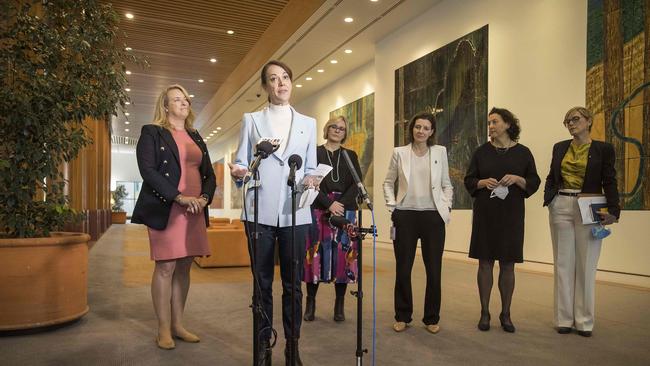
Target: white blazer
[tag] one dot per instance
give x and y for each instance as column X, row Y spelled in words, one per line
column 274, row 193
column 400, row 169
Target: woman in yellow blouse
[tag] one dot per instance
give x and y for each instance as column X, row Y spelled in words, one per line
column 579, row 165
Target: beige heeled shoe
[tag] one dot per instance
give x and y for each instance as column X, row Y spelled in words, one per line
column 167, row 344
column 188, row 337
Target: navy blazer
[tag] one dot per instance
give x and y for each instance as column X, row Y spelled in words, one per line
column 600, row 174
column 160, row 169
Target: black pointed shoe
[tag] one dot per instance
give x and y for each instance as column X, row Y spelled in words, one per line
column 506, row 323
column 339, row 305
column 310, row 309
column 484, row 322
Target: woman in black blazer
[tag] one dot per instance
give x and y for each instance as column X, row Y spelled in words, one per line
column 580, row 165
column 173, row 203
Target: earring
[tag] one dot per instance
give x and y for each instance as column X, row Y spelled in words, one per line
column 166, row 110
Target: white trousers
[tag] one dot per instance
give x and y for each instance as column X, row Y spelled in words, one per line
column 575, row 253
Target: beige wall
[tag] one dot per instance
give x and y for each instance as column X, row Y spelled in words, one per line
column 536, row 69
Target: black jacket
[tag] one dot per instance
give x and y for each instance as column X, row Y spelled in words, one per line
column 160, row 169
column 600, row 174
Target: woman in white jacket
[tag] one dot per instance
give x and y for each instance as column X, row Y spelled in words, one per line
column 419, row 211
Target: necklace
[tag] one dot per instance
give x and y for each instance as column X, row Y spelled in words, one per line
column 338, row 175
column 502, row 150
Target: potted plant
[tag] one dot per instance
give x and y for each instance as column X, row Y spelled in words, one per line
column 118, row 215
column 59, row 65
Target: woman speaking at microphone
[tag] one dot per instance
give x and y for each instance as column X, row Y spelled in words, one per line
column 297, row 134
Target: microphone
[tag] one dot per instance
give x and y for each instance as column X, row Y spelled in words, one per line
column 263, row 150
column 357, row 180
column 295, row 162
column 338, row 221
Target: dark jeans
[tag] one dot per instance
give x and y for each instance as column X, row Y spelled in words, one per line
column 430, row 229
column 266, row 268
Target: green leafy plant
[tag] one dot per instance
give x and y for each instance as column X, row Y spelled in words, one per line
column 59, row 64
column 118, row 195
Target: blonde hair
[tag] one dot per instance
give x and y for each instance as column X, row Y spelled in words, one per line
column 332, row 121
column 162, row 103
column 584, row 112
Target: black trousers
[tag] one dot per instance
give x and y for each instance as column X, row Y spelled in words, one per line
column 410, row 226
column 266, row 269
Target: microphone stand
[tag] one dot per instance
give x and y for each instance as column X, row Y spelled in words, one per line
column 292, row 337
column 359, row 293
column 256, row 289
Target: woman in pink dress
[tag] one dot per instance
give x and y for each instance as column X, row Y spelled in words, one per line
column 173, row 203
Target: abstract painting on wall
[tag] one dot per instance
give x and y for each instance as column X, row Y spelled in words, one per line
column 235, row 192
column 618, row 91
column 217, row 200
column 450, row 82
column 360, row 115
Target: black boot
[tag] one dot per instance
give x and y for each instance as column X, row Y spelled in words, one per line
column 339, row 314
column 287, row 349
column 265, row 355
column 310, row 308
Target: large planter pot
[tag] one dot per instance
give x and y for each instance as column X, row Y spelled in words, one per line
column 43, row 281
column 118, row 217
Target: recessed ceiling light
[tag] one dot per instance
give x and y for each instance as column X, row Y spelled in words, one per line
column 191, row 95
column 230, row 31
column 214, row 131
column 211, row 134
column 308, row 78
column 320, row 70
column 127, row 113
column 298, row 85
column 128, row 72
column 213, row 60
column 205, row 140
column 126, row 122
column 128, row 89
column 129, row 15
column 128, row 49
column 127, row 103
column 126, row 130
column 348, row 51
column 200, row 80
column 218, row 128
column 334, row 62
column 373, row 1
column 348, row 20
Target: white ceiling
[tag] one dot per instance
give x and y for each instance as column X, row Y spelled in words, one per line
column 323, row 37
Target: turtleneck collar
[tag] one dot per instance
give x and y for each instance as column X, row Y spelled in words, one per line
column 279, row 108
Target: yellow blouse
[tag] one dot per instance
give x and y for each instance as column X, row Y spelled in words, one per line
column 574, row 165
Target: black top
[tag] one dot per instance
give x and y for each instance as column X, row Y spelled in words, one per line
column 498, row 225
column 160, row 169
column 600, row 174
column 340, row 172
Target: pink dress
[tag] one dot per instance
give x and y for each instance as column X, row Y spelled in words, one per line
column 185, row 234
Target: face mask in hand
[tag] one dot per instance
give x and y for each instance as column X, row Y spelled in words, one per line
column 500, row 191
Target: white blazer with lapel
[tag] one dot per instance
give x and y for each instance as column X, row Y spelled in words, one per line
column 274, row 193
column 400, row 169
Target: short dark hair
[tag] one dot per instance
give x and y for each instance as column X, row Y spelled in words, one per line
column 429, row 117
column 509, row 118
column 276, row 63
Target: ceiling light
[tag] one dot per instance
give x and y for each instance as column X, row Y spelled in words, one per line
column 129, row 15
column 230, row 32
column 191, row 95
column 126, row 122
column 308, row 78
column 127, row 103
column 348, row 20
column 128, row 72
column 320, row 70
column 128, row 89
column 214, row 131
column 334, row 62
column 218, row 128
column 211, row 134
column 348, row 51
column 128, row 49
column 126, row 130
column 127, row 114
column 205, row 140
column 200, row 80
column 298, row 85
column 213, row 60
column 373, row 1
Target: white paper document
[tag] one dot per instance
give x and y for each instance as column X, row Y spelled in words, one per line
column 584, row 203
column 311, row 183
